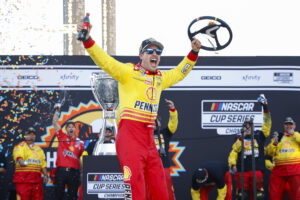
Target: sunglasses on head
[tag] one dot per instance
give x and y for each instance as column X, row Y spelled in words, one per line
column 150, row 51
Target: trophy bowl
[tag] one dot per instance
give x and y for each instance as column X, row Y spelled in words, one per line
column 105, row 90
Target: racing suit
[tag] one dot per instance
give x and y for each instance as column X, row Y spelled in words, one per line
column 286, row 155
column 219, row 176
column 68, row 165
column 235, row 158
column 139, row 94
column 28, row 179
column 165, row 137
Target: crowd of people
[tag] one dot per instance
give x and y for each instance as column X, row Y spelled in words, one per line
column 146, row 163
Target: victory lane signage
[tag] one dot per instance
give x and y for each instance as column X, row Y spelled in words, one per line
column 103, row 178
column 228, row 116
column 106, row 185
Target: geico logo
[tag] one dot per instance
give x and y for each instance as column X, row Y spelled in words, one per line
column 211, row 77
column 32, row 77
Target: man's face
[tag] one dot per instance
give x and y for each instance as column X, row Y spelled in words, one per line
column 108, row 136
column 289, row 128
column 30, row 137
column 247, row 129
column 108, row 133
column 150, row 61
column 71, row 130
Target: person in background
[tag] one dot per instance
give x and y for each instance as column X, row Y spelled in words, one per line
column 235, row 156
column 3, row 178
column 109, row 138
column 165, row 135
column 140, row 86
column 209, row 175
column 70, row 149
column 30, row 165
column 285, row 150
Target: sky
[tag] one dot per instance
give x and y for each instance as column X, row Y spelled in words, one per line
column 260, row 27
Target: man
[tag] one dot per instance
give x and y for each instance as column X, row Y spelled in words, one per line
column 162, row 139
column 69, row 151
column 3, row 178
column 140, row 88
column 2, row 160
column 209, row 175
column 235, row 157
column 285, row 150
column 108, row 138
column 30, row 162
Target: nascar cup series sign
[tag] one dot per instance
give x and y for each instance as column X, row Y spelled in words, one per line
column 228, row 116
column 106, row 185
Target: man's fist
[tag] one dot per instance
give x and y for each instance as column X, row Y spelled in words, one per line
column 262, row 99
column 57, row 106
column 170, row 103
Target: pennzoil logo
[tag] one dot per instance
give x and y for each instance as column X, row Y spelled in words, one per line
column 151, row 93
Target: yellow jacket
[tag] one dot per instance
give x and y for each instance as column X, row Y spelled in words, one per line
column 35, row 157
column 139, row 89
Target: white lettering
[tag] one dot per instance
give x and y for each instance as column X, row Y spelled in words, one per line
column 51, row 159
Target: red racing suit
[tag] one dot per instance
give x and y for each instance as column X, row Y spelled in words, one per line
column 286, row 155
column 139, row 94
column 165, row 135
column 28, row 179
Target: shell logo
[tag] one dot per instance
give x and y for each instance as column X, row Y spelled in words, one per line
column 71, row 148
column 151, row 93
column 286, row 144
column 127, row 173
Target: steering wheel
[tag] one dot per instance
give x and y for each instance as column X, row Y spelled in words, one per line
column 211, row 30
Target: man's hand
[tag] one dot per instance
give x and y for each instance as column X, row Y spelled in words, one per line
column 79, row 28
column 196, row 45
column 45, row 179
column 262, row 99
column 170, row 104
column 22, row 162
column 57, row 107
column 234, row 169
column 275, row 137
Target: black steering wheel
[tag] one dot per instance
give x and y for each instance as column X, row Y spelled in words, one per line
column 211, row 30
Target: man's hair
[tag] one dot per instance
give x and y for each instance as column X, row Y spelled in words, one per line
column 70, row 122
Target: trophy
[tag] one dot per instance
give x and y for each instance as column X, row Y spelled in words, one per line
column 105, row 90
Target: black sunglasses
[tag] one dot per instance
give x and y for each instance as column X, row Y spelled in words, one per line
column 150, row 51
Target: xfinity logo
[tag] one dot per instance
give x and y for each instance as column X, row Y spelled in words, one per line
column 69, row 77
column 211, row 78
column 251, row 77
column 28, row 77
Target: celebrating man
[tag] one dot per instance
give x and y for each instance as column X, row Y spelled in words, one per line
column 140, row 87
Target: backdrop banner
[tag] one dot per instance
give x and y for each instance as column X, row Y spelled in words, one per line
column 212, row 102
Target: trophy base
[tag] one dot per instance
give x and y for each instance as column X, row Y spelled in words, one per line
column 105, row 149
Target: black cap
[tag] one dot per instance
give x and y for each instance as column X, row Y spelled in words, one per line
column 201, row 175
column 30, row 130
column 109, row 129
column 148, row 42
column 289, row 120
